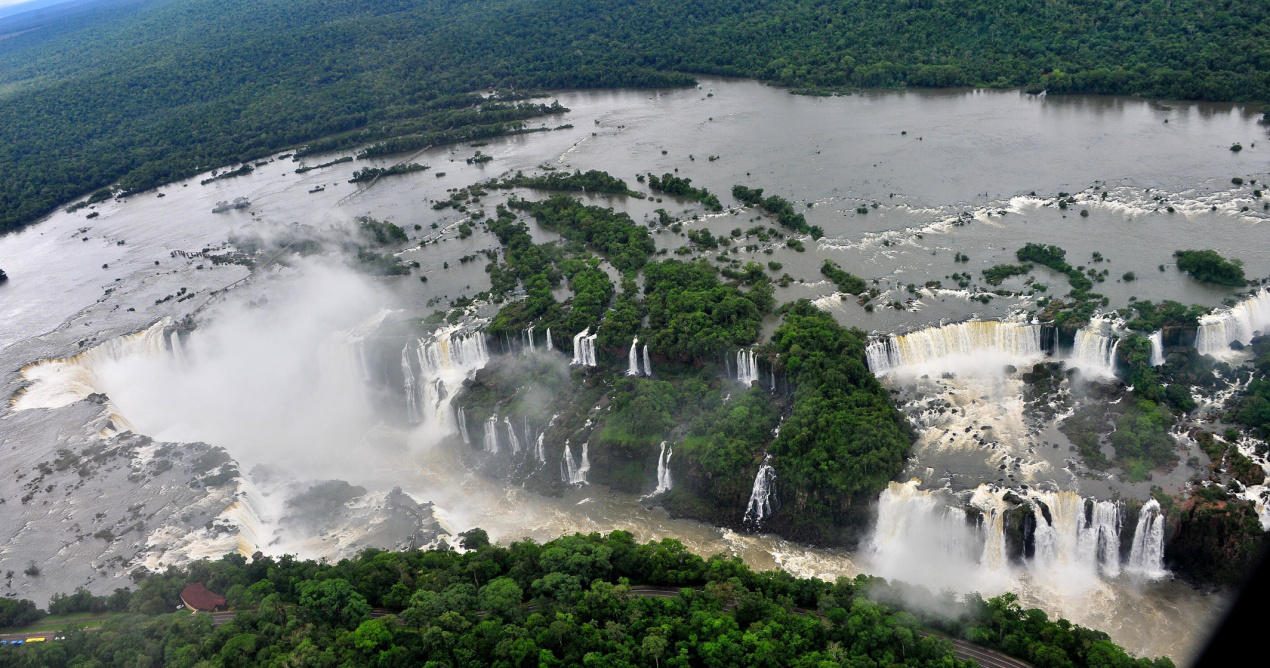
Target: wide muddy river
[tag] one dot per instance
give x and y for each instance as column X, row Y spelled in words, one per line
column 939, row 174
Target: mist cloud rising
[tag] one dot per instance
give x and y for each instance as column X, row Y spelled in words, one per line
column 275, row 381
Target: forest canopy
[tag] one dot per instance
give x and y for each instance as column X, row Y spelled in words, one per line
column 142, row 92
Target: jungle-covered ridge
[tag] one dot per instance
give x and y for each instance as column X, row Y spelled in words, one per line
column 572, row 601
column 142, row 92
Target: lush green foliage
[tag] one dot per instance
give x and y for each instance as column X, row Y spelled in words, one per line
column 843, row 440
column 692, row 315
column 779, row 207
column 380, row 231
column 625, row 243
column 576, row 600
column 366, row 174
column 593, row 181
column 1083, row 300
column 846, row 281
column 673, row 185
column 148, row 91
column 1210, row 267
column 14, row 612
column 998, row 273
column 1253, row 410
column 1168, row 313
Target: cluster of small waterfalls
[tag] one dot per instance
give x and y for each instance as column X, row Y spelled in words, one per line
column 977, row 344
column 1060, row 539
column 443, row 362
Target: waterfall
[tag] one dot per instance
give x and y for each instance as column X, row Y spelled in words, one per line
column 444, row 362
column 540, row 449
column 746, row 366
column 490, row 443
column 549, row 346
column 993, row 555
column 462, row 420
column 1146, row 556
column 919, row 537
column 574, row 472
column 178, row 348
column 1095, row 349
column 773, row 390
column 1100, row 537
column 648, row 366
column 530, row 335
column 664, row 483
column 511, row 436
column 1073, row 542
column 632, row 359
column 970, row 346
column 1238, row 323
column 1157, row 348
column 578, row 355
column 412, row 406
column 60, row 382
column 763, row 501
column 912, row 526
column 584, row 348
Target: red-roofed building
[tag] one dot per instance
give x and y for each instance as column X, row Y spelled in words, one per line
column 198, row 598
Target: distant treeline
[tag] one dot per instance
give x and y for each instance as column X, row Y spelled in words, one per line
column 142, row 92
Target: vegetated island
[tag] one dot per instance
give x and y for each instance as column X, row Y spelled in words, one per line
column 576, row 600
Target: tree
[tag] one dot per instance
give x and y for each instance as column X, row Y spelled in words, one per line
column 333, row 602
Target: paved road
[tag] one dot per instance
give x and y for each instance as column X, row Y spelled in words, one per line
column 962, row 649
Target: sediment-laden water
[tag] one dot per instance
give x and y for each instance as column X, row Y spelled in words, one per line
column 951, row 183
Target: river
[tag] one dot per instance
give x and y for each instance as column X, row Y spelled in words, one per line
column 973, row 172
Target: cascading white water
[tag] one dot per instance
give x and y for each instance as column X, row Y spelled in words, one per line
column 584, row 348
column 490, row 444
column 1157, row 348
column 648, row 365
column 746, row 366
column 177, row 347
column 762, row 496
column 462, row 420
column 540, row 449
column 60, row 382
column 530, row 335
column 1094, row 352
column 1146, row 555
column 632, row 359
column 1238, row 323
column 918, row 538
column 445, row 361
column 573, row 471
column 664, row 483
column 964, row 346
column 511, row 435
column 915, row 530
column 988, row 500
column 1100, row 537
column 412, row 404
column 549, row 344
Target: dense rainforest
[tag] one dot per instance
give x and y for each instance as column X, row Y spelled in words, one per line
column 141, row 92
column 581, row 600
